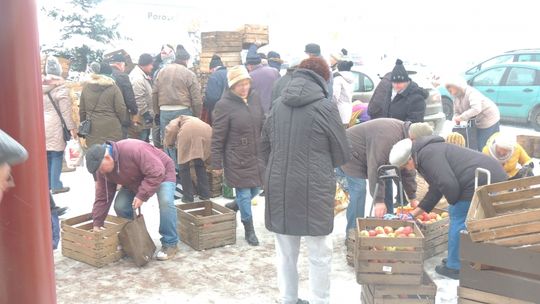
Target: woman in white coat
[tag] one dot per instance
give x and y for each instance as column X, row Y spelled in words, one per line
column 343, row 89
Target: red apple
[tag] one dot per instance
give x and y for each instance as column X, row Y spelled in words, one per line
column 407, row 230
column 388, row 229
column 372, row 233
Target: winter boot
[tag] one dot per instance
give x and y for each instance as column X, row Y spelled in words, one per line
column 232, row 205
column 251, row 238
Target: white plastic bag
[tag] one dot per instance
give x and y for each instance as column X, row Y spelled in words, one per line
column 73, row 154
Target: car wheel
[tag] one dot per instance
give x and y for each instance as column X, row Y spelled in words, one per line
column 535, row 118
column 448, row 107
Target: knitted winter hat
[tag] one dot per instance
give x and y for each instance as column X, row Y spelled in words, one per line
column 215, row 62
column 399, row 74
column 236, row 74
column 420, row 129
column 252, row 58
column 313, row 49
column 145, row 59
column 181, row 53
column 53, row 67
column 456, row 139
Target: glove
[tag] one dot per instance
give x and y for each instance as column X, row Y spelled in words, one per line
column 156, row 119
column 147, row 118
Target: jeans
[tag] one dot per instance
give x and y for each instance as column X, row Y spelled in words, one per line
column 165, row 118
column 320, row 262
column 483, row 135
column 167, row 211
column 203, row 188
column 357, row 199
column 243, row 200
column 458, row 214
column 54, row 168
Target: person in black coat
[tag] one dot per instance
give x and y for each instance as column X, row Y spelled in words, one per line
column 303, row 141
column 450, row 171
column 217, row 84
column 397, row 96
column 118, row 65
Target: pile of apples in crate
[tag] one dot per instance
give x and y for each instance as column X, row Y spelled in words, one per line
column 387, row 231
column 424, row 218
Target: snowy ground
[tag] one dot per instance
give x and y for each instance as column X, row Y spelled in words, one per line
column 232, row 274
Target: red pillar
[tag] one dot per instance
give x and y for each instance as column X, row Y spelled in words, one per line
column 26, row 260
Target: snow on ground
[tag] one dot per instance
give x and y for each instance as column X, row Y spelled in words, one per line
column 232, row 274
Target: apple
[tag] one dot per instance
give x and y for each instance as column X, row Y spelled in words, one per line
column 364, row 233
column 411, row 235
column 425, row 217
column 381, row 235
column 388, row 229
column 372, row 233
column 407, row 230
column 439, row 217
column 391, row 235
column 401, row 235
column 379, row 229
column 399, row 230
column 444, row 214
column 432, row 215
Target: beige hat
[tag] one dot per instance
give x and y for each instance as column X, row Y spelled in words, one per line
column 236, row 74
column 401, row 152
column 420, row 129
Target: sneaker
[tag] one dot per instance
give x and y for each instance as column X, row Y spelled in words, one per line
column 61, row 210
column 61, row 190
column 447, row 272
column 187, row 200
column 166, row 253
column 300, row 301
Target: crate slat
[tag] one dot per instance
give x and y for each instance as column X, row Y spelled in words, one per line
column 468, row 295
column 422, row 293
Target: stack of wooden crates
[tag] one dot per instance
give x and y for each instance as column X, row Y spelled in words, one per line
column 531, row 144
column 391, row 270
column 501, row 252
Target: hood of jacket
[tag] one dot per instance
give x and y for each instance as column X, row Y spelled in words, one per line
column 457, row 82
column 99, row 83
column 51, row 82
column 413, row 88
column 305, row 87
column 347, row 76
column 420, row 143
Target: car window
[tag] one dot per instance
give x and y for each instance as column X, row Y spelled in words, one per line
column 362, row 83
column 489, row 78
column 521, row 77
column 491, row 62
column 529, row 58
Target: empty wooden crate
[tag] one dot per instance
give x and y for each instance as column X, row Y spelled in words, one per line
column 98, row 249
column 388, row 260
column 472, row 296
column 423, row 293
column 507, row 214
column 253, row 33
column 206, row 225
column 507, row 272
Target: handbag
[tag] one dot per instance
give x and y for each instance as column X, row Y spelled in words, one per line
column 469, row 132
column 136, row 242
column 65, row 131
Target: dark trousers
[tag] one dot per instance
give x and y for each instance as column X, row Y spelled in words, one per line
column 203, row 188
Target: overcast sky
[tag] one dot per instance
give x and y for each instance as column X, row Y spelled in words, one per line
column 447, row 35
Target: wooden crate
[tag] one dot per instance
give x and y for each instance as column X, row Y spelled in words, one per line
column 507, row 213
column 206, row 225
column 222, row 39
column 472, row 296
column 529, row 143
column 436, row 236
column 229, row 59
column 350, row 243
column 374, row 265
column 508, row 272
column 216, row 184
column 98, row 249
column 423, row 293
column 253, row 33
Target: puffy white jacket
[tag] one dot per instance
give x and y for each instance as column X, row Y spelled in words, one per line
column 342, row 94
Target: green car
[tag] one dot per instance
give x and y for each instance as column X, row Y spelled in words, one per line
column 515, row 88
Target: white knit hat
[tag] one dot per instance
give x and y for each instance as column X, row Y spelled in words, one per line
column 401, row 152
column 420, row 129
column 236, row 74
